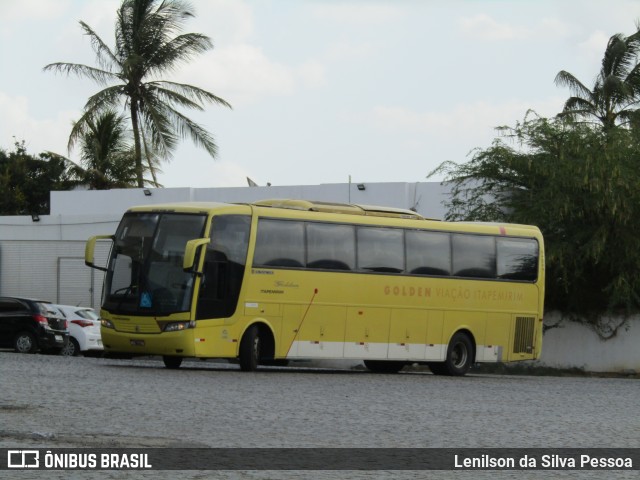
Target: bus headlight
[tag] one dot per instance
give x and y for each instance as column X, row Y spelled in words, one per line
column 106, row 323
column 177, row 326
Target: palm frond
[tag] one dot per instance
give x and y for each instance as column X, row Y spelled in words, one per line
column 566, row 79
column 170, row 53
column 157, row 126
column 106, row 58
column 188, row 128
column 188, row 91
column 96, row 74
column 106, row 98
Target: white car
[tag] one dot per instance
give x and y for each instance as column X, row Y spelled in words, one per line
column 84, row 330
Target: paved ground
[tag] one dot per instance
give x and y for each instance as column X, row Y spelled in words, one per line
column 53, row 402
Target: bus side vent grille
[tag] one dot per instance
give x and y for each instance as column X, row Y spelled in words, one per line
column 523, row 339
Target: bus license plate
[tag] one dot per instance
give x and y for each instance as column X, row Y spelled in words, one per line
column 137, row 343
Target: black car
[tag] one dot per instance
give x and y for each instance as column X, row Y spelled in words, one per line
column 29, row 325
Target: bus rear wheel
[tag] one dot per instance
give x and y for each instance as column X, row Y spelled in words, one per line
column 250, row 347
column 383, row 366
column 172, row 362
column 459, row 358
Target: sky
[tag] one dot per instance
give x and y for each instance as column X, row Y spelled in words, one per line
column 322, row 90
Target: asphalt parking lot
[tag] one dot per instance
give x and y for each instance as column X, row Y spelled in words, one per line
column 56, row 402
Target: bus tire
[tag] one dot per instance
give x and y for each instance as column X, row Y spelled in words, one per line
column 172, row 362
column 278, row 362
column 384, row 366
column 460, row 356
column 437, row 368
column 250, row 347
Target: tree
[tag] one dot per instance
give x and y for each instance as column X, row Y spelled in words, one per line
column 26, row 180
column 148, row 43
column 579, row 184
column 106, row 155
column 614, row 97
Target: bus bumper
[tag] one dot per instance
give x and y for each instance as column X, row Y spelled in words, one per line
column 167, row 343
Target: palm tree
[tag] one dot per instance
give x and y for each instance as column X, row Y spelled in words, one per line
column 106, row 155
column 616, row 92
column 148, row 43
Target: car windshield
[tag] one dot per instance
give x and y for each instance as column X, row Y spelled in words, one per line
column 145, row 274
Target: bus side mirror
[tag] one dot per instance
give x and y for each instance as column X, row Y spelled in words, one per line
column 191, row 251
column 90, row 248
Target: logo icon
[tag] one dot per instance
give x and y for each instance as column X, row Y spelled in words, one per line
column 23, row 459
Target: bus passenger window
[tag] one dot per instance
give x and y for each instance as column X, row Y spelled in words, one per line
column 331, row 246
column 474, row 256
column 380, row 249
column 280, row 243
column 428, row 253
column 517, row 259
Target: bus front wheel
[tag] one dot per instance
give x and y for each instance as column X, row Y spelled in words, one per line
column 250, row 349
column 172, row 362
column 459, row 357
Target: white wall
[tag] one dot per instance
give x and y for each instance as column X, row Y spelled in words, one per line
column 573, row 345
column 426, row 198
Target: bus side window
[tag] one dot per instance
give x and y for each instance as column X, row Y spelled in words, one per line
column 280, row 243
column 474, row 256
column 380, row 249
column 331, row 246
column 428, row 253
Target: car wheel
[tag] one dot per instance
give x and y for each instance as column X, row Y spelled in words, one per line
column 25, row 342
column 72, row 348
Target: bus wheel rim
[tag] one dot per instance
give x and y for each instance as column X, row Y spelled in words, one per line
column 459, row 355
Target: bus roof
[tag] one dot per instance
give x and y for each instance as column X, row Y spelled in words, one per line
column 399, row 214
column 328, row 207
column 367, row 212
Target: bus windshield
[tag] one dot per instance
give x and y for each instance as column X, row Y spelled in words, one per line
column 145, row 274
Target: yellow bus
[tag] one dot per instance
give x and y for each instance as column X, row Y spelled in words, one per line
column 277, row 280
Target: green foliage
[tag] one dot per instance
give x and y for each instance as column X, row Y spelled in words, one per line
column 107, row 157
column 148, row 44
column 26, row 180
column 613, row 99
column 580, row 186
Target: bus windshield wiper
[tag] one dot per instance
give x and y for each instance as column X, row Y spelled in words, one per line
column 127, row 291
